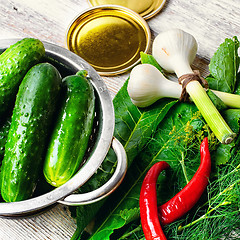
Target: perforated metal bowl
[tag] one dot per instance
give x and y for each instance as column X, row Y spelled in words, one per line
column 102, row 139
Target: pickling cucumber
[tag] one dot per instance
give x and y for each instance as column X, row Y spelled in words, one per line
column 15, row 61
column 32, row 117
column 71, row 134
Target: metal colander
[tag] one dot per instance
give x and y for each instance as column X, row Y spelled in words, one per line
column 101, row 140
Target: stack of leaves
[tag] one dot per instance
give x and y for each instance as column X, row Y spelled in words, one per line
column 170, row 131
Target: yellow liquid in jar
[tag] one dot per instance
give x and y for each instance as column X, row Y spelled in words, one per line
column 107, row 41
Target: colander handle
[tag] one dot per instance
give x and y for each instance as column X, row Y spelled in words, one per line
column 108, row 187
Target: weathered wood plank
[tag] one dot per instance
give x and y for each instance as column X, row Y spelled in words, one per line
column 55, row 223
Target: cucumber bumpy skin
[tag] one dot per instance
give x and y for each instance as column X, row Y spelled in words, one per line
column 71, row 134
column 15, row 62
column 4, row 129
column 26, row 144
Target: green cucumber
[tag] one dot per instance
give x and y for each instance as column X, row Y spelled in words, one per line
column 71, row 134
column 31, row 120
column 15, row 61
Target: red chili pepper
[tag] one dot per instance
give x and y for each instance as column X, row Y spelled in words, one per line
column 148, row 203
column 182, row 202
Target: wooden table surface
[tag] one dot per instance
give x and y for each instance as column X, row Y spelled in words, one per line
column 209, row 21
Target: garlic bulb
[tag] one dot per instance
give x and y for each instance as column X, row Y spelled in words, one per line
column 147, row 84
column 175, row 50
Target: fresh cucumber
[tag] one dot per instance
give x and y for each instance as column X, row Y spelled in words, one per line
column 71, row 134
column 32, row 116
column 15, row 61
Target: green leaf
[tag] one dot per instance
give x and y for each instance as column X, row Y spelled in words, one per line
column 224, row 152
column 237, row 89
column 232, row 117
column 149, row 59
column 219, row 104
column 176, row 137
column 224, row 66
column 142, row 129
column 133, row 128
column 84, row 214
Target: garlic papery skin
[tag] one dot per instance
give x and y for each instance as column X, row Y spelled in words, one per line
column 147, row 85
column 175, row 51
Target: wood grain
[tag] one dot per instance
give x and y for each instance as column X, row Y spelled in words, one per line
column 210, row 21
column 54, row 224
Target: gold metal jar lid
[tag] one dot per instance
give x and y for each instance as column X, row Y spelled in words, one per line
column 146, row 8
column 110, row 38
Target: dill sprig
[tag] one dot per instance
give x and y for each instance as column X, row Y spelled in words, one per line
column 219, row 216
